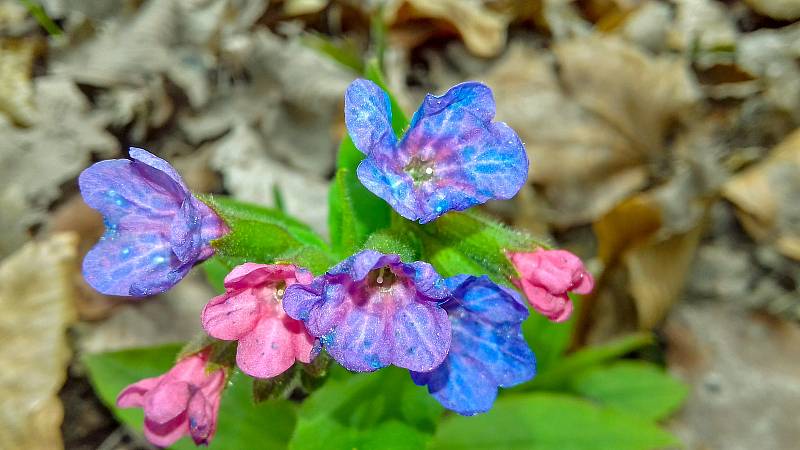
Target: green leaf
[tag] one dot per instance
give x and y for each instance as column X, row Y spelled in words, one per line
column 546, row 421
column 636, row 387
column 399, row 241
column 557, row 377
column 469, row 242
column 241, row 424
column 355, row 213
column 350, row 411
column 549, row 340
column 264, row 235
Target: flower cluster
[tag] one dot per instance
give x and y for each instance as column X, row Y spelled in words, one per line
column 460, row 337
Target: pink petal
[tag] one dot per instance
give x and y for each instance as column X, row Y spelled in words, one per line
column 133, row 395
column 230, row 316
column 585, row 285
column 166, row 434
column 167, row 401
column 268, row 350
column 257, row 275
column 302, row 341
column 557, row 308
column 202, row 419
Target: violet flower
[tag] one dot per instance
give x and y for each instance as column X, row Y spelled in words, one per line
column 373, row 310
column 487, row 350
column 451, row 158
column 156, row 230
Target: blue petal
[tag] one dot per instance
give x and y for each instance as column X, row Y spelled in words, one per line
column 487, row 350
column 368, row 116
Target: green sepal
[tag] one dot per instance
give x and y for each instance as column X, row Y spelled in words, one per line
column 472, row 243
column 400, row 241
column 265, row 235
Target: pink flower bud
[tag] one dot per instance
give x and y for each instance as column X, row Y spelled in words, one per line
column 546, row 276
column 183, row 401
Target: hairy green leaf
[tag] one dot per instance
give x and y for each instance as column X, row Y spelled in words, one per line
column 636, row 387
column 546, row 421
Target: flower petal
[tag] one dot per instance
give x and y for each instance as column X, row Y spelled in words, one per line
column 487, row 350
column 421, row 337
column 230, row 316
column 124, row 262
column 166, row 434
column 252, row 275
column 269, row 350
column 133, row 395
column 368, row 116
column 167, row 401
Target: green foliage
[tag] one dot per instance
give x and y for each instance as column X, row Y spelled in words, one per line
column 241, row 424
column 264, row 235
column 558, row 376
column 637, row 387
column 469, row 242
column 359, row 411
column 549, row 421
column 396, row 240
column 549, row 340
column 216, row 269
column 354, row 213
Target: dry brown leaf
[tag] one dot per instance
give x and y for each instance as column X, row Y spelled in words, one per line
column 767, row 197
column 777, row 9
column 35, row 161
column 36, row 296
column 16, row 89
column 639, row 95
column 483, row 29
column 251, row 174
column 657, row 273
column 590, row 144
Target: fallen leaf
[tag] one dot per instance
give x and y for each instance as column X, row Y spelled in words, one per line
column 16, row 90
column 35, row 161
column 36, row 296
column 766, row 195
column 251, row 174
column 482, row 28
column 777, row 9
column 735, row 363
column 592, row 142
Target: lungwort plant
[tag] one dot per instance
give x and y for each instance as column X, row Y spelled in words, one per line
column 399, row 332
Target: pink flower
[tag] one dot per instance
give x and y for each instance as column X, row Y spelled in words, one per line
column 250, row 312
column 546, row 276
column 183, row 401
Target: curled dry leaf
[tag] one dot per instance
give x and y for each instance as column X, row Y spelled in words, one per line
column 777, row 9
column 65, row 135
column 591, row 143
column 36, row 296
column 251, row 174
column 767, row 194
column 482, row 28
column 16, row 89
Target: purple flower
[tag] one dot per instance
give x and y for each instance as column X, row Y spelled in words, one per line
column 156, row 230
column 372, row 310
column 487, row 350
column 452, row 157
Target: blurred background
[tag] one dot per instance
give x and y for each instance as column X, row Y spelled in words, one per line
column 663, row 135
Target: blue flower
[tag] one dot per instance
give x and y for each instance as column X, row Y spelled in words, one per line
column 452, row 157
column 372, row 310
column 487, row 350
column 156, row 230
